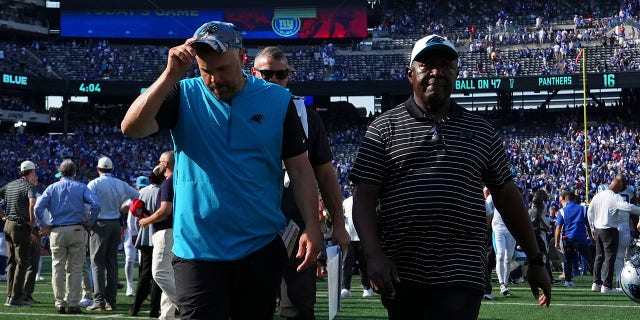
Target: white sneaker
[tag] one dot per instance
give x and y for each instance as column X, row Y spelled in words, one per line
column 520, row 280
column 39, row 277
column 85, row 302
column 345, row 293
column 489, row 296
column 610, row 290
column 367, row 293
column 569, row 284
column 505, row 291
column 596, row 287
column 130, row 292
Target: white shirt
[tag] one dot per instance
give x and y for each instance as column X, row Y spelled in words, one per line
column 623, row 216
column 497, row 224
column 347, row 206
column 603, row 209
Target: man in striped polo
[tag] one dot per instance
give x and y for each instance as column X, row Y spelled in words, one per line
column 425, row 163
column 20, row 197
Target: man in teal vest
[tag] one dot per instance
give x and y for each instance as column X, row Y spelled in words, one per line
column 231, row 133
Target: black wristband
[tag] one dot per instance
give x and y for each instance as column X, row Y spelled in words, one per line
column 537, row 260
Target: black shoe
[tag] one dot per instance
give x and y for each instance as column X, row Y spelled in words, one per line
column 74, row 310
column 154, row 314
column 32, row 300
column 19, row 303
column 133, row 311
column 61, row 310
column 120, row 286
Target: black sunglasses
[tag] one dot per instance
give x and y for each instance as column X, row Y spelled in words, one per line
column 280, row 74
column 437, row 137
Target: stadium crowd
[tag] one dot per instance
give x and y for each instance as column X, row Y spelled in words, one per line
column 542, row 152
column 515, row 39
column 553, row 54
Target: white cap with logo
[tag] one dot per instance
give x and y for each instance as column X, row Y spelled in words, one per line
column 27, row 165
column 432, row 44
column 105, row 163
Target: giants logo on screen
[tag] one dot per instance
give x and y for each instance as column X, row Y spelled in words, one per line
column 285, row 27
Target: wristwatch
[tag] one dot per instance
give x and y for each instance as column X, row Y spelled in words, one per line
column 537, row 260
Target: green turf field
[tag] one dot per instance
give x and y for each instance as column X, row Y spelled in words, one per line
column 567, row 304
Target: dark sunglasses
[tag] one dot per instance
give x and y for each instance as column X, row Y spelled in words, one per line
column 437, row 137
column 280, row 74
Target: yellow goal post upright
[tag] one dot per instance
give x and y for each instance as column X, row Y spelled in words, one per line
column 583, row 52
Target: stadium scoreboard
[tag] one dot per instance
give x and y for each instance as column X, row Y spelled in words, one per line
column 73, row 87
column 510, row 84
column 167, row 19
column 548, row 82
column 107, row 88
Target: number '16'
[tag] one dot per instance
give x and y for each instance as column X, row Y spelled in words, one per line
column 609, row 80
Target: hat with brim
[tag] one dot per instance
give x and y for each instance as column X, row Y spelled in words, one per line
column 105, row 163
column 142, row 181
column 27, row 165
column 218, row 35
column 433, row 45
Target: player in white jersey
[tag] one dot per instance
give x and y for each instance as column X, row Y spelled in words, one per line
column 503, row 244
column 624, row 232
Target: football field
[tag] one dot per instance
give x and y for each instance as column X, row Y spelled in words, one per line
column 567, row 304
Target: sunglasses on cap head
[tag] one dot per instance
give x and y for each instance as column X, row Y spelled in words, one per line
column 280, row 74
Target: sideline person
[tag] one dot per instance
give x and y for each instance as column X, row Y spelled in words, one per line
column 19, row 221
column 67, row 226
column 298, row 289
column 231, row 132
column 424, row 162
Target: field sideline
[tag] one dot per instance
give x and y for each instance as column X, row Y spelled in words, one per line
column 567, row 304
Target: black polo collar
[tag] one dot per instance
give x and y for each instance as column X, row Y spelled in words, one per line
column 412, row 108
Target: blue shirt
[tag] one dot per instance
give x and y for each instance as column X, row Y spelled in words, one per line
column 66, row 201
column 112, row 193
column 574, row 219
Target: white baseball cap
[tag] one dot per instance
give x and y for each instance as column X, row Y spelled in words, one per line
column 432, row 44
column 105, row 163
column 27, row 165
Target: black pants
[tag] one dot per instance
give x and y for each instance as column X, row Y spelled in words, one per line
column 354, row 254
column 434, row 302
column 298, row 290
column 570, row 249
column 606, row 249
column 146, row 284
column 491, row 264
column 219, row 290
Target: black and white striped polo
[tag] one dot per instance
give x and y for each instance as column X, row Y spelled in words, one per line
column 16, row 196
column 432, row 220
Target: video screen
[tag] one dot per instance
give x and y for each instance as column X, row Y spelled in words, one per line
column 343, row 21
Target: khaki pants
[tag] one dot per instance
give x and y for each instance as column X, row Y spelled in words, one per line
column 18, row 253
column 162, row 272
column 68, row 249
